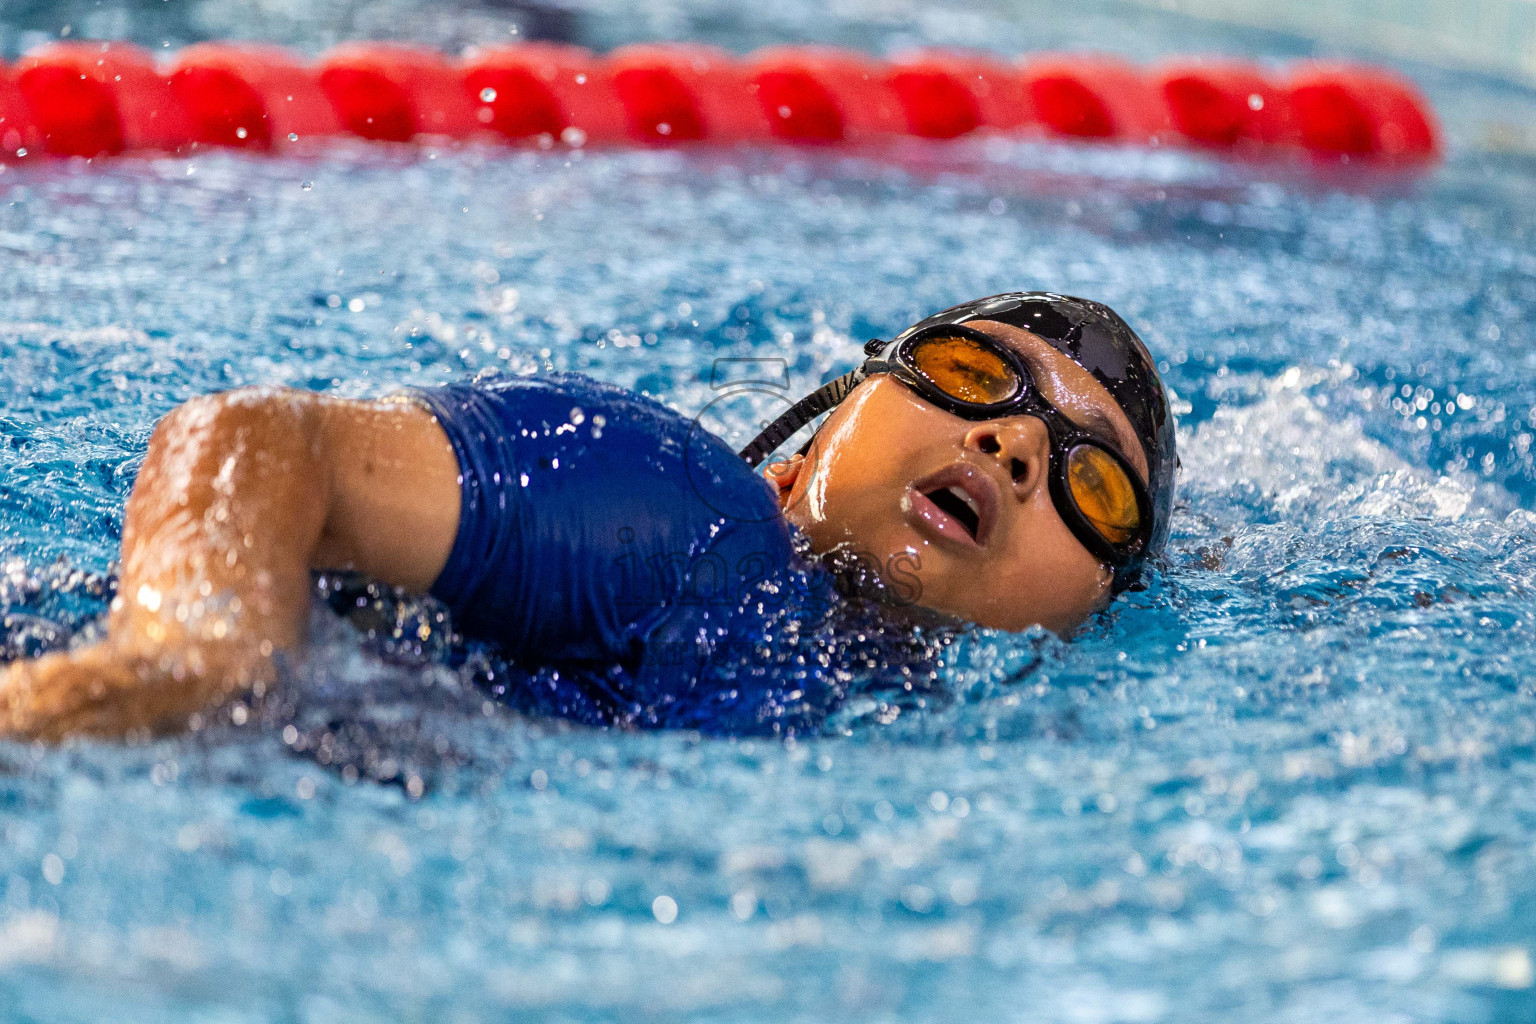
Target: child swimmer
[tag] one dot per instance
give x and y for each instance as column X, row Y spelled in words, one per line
column 1009, row 462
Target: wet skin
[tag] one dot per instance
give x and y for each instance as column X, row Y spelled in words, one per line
column 243, row 494
column 864, row 481
column 240, row 496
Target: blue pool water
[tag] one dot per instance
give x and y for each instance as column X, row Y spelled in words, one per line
column 1292, row 782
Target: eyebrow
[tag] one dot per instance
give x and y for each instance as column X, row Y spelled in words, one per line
column 1101, row 427
column 1090, row 418
column 1098, row 424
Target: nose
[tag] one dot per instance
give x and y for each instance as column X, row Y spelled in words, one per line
column 1021, row 445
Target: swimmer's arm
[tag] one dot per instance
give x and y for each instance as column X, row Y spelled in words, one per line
column 240, row 497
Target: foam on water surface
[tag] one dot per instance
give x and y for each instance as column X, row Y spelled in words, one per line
column 1294, row 780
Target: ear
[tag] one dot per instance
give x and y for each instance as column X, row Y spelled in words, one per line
column 782, row 475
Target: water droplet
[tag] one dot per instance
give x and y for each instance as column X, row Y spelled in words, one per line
column 307, row 186
column 743, row 904
column 487, row 95
column 241, row 133
column 665, row 909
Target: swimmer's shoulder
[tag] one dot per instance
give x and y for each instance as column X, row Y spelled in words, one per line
column 535, row 392
column 627, row 419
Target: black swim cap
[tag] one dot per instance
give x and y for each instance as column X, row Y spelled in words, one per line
column 1093, row 336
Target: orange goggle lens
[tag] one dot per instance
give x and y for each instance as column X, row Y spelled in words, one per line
column 965, row 369
column 1104, row 493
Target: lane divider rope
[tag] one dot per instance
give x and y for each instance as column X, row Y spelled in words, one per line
column 91, row 99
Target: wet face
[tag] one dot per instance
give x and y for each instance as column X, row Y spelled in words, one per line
column 957, row 515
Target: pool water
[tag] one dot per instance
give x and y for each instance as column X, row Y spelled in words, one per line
column 1292, row 781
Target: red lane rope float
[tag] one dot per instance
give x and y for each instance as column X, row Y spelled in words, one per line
column 546, row 93
column 18, row 132
column 391, row 93
column 1361, row 111
column 820, row 95
column 684, row 93
column 250, row 97
column 1226, row 105
column 100, row 99
column 946, row 95
column 1094, row 97
column 92, row 99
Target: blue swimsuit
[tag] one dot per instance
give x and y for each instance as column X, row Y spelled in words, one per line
column 630, row 566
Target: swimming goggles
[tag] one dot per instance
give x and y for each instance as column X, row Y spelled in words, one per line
column 970, row 374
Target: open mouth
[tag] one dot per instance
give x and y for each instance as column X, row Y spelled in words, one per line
column 959, row 506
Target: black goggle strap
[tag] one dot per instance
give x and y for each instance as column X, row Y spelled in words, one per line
column 823, row 399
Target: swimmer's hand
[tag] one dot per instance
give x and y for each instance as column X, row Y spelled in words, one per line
column 240, row 497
